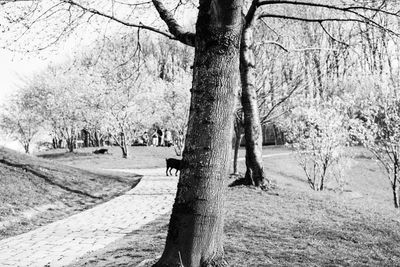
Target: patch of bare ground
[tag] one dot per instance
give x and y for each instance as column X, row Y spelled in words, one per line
column 35, row 192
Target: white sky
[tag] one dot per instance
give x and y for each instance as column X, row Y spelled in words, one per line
column 12, row 68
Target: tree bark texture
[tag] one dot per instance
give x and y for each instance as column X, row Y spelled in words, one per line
column 196, row 226
column 252, row 125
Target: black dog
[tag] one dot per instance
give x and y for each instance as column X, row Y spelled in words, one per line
column 101, row 151
column 173, row 164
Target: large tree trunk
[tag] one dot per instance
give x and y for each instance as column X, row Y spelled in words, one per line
column 252, row 125
column 196, row 226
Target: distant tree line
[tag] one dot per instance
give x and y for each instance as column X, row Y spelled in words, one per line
column 112, row 92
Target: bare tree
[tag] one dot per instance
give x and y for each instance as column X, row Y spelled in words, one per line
column 19, row 120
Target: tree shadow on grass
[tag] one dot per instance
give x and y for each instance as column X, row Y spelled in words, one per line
column 64, row 155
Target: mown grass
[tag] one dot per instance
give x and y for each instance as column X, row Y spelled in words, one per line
column 290, row 225
column 282, row 229
column 139, row 157
column 34, row 191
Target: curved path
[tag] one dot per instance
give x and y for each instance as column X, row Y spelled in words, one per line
column 61, row 242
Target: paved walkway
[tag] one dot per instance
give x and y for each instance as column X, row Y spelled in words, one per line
column 61, row 242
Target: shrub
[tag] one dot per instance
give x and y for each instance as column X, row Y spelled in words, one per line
column 318, row 135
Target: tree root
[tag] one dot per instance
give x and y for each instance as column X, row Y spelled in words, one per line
column 218, row 262
column 242, row 181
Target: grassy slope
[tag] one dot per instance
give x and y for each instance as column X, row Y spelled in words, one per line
column 34, row 191
column 291, row 226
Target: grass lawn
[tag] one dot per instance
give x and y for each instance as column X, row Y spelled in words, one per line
column 290, row 225
column 34, row 191
column 140, row 157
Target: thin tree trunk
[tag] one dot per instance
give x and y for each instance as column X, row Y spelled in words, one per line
column 196, row 226
column 275, row 134
column 55, row 142
column 238, row 140
column 123, row 146
column 252, row 125
column 86, row 138
column 321, row 184
column 396, row 196
column 395, row 185
column 26, row 147
column 70, row 144
column 96, row 139
column 124, row 151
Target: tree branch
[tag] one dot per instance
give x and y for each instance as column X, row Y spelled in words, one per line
column 317, row 20
column 331, row 36
column 175, row 29
column 345, row 9
column 350, row 9
column 281, row 101
column 129, row 24
column 251, row 14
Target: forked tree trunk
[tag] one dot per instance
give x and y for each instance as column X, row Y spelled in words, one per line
column 196, row 226
column 252, row 125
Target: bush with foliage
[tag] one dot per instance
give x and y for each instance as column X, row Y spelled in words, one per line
column 318, row 135
column 378, row 128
